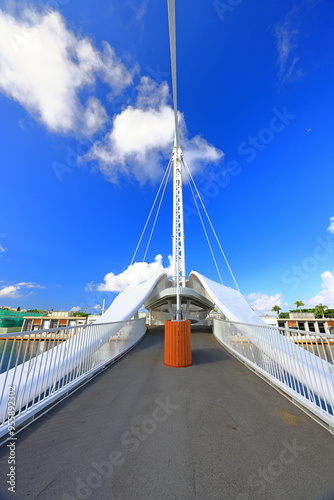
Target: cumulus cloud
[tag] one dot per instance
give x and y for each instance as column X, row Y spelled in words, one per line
column 48, row 69
column 287, row 36
column 75, row 309
column 9, row 292
column 141, row 138
column 44, row 66
column 134, row 275
column 326, row 294
column 262, row 303
column 330, row 228
column 197, row 152
column 15, row 291
column 97, row 307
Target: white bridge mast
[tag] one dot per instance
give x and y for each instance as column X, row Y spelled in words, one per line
column 178, row 264
column 179, row 267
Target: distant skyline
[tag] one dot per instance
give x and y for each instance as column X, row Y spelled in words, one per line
column 87, row 132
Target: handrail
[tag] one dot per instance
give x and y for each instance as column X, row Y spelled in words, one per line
column 275, row 328
column 40, row 370
column 83, row 325
column 303, row 372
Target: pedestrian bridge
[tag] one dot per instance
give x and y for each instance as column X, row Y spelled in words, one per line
column 41, row 367
column 141, row 430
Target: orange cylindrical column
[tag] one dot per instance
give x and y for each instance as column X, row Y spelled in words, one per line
column 177, row 343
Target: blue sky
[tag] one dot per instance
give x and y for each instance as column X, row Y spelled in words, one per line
column 86, row 133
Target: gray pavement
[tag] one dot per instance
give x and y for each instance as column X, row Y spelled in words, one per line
column 144, row 431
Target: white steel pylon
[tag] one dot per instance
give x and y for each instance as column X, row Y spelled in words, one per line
column 178, row 263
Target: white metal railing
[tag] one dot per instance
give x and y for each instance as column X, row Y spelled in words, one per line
column 299, row 363
column 39, row 367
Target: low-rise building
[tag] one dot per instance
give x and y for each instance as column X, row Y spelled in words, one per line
column 12, row 321
column 55, row 319
column 270, row 320
column 307, row 322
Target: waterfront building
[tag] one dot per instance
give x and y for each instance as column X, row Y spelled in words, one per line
column 308, row 322
column 54, row 319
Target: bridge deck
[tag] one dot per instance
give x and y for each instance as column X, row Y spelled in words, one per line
column 211, row 431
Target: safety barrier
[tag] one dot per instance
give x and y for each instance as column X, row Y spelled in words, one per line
column 37, row 368
column 298, row 363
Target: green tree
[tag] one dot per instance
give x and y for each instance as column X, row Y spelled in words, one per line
column 319, row 310
column 299, row 303
column 276, row 309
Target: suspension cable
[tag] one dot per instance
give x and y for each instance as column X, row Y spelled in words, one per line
column 211, row 225
column 204, row 228
column 169, row 168
column 166, row 174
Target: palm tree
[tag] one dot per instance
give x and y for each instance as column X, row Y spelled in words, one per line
column 320, row 309
column 276, row 309
column 299, row 303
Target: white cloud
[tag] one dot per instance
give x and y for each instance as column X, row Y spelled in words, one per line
column 43, row 66
column 262, row 303
column 326, row 294
column 9, row 292
column 142, row 9
column 198, row 151
column 2, row 249
column 331, row 225
column 75, row 309
column 15, row 291
column 29, row 285
column 141, row 139
column 97, row 307
column 287, row 43
column 134, row 275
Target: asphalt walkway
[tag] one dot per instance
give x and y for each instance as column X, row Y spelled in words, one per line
column 144, row 431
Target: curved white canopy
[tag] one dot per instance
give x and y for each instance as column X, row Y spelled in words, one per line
column 128, row 303
column 232, row 304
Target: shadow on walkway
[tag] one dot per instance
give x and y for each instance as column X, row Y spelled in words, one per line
column 209, row 355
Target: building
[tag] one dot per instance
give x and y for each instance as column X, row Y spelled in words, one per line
column 92, row 318
column 307, row 322
column 270, row 320
column 55, row 319
column 12, row 321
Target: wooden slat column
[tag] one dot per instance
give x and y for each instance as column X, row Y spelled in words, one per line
column 177, row 344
